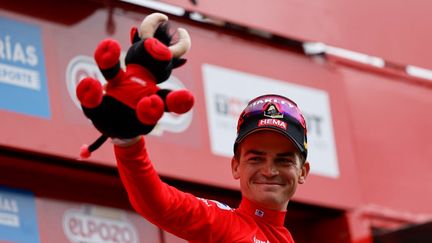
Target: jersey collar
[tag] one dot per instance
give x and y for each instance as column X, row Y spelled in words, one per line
column 273, row 217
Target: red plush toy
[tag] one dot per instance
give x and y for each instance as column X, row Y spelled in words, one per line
column 131, row 103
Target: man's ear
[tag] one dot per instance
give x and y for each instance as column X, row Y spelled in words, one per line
column 304, row 172
column 235, row 168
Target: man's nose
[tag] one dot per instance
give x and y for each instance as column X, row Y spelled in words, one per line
column 270, row 169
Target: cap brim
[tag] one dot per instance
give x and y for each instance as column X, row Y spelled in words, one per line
column 249, row 131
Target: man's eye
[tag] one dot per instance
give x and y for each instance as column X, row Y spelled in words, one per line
column 286, row 161
column 255, row 159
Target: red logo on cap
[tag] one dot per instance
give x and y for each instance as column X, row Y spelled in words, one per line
column 272, row 122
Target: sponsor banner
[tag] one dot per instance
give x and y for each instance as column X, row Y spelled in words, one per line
column 82, row 66
column 85, row 223
column 18, row 216
column 23, row 85
column 97, row 224
column 224, row 104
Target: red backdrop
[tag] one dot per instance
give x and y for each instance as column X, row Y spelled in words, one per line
column 379, row 122
column 393, row 30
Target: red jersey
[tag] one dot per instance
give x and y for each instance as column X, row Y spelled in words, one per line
column 189, row 217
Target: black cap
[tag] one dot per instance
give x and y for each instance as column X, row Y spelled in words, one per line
column 274, row 112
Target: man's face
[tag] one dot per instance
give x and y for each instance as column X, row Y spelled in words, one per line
column 269, row 168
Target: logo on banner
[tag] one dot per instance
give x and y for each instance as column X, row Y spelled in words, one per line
column 224, row 104
column 9, row 211
column 23, row 85
column 98, row 225
column 18, row 216
column 80, row 67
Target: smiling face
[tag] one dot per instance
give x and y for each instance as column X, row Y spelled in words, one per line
column 269, row 168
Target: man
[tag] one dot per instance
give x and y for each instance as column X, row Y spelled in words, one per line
column 269, row 161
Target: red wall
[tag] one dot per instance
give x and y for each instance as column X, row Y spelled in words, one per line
column 380, row 122
column 391, row 124
column 393, row 30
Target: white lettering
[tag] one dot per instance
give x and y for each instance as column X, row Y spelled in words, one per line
column 17, row 52
column 272, row 122
column 32, row 58
column 9, row 219
column 8, row 210
column 88, row 229
column 80, row 227
column 21, row 77
column 8, row 204
column 2, row 50
column 8, row 49
column 273, row 100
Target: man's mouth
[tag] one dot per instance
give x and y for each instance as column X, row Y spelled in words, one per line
column 271, row 183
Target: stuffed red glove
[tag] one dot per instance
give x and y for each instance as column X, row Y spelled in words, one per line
column 131, row 103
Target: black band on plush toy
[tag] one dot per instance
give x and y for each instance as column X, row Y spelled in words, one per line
column 96, row 144
column 111, row 72
column 163, row 94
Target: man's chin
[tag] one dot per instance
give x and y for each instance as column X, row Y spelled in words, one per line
column 270, row 188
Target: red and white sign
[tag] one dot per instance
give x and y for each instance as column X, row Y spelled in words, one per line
column 98, row 225
column 62, row 221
